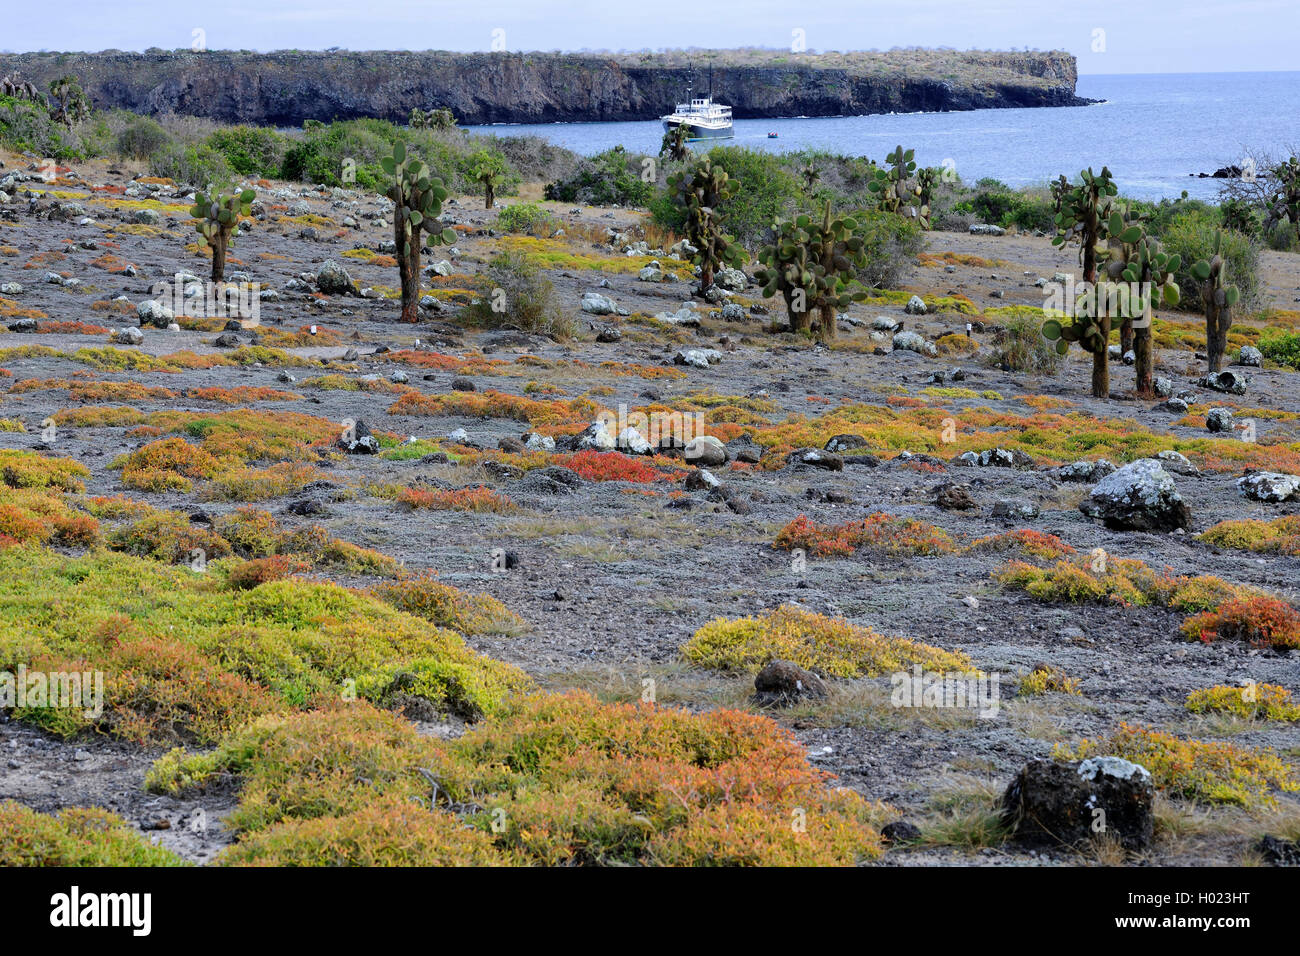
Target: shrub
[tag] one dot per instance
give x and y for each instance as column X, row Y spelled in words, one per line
column 1045, row 678
column 767, row 191
column 1020, row 347
column 611, row 466
column 890, row 244
column 1192, row 235
column 513, row 293
column 1250, row 702
column 250, row 150
column 1198, row 770
column 447, row 606
column 526, row 217
column 1258, row 619
column 830, row 646
column 879, row 531
column 1281, row 346
column 560, row 779
column 140, row 138
column 194, row 165
column 75, row 836
column 478, row 500
column 391, row 831
column 1278, row 536
column 606, row 179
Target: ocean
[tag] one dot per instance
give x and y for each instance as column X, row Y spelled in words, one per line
column 1152, row 131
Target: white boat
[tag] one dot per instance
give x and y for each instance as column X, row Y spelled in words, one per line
column 702, row 118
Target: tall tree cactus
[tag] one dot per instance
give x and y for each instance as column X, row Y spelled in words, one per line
column 700, row 192
column 1219, row 298
column 487, row 169
column 813, row 266
column 1140, row 270
column 215, row 216
column 70, row 103
column 417, row 200
column 1084, row 215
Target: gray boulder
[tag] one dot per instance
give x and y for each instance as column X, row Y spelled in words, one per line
column 1054, row 804
column 1141, row 496
column 1269, row 486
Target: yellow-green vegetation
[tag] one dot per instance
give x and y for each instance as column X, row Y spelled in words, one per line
column 555, row 780
column 41, row 515
column 831, row 646
column 1278, row 536
column 1126, row 581
column 448, row 606
column 1196, row 769
column 185, row 657
column 1045, row 678
column 559, row 254
column 26, row 469
column 1249, row 702
column 76, row 836
column 246, row 532
column 12, row 425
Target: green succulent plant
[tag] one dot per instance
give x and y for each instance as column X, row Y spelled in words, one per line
column 417, row 198
column 216, row 215
column 812, row 265
column 1085, row 217
column 1284, row 204
column 893, row 186
column 701, row 191
column 674, row 144
column 1219, row 297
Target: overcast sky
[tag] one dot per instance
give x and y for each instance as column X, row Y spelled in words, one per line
column 1108, row 36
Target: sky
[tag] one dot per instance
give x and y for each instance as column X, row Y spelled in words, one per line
column 1107, row 36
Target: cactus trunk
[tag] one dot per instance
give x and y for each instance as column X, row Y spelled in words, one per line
column 219, row 257
column 828, row 322
column 489, row 194
column 1218, row 320
column 1142, row 348
column 408, row 268
column 1126, row 336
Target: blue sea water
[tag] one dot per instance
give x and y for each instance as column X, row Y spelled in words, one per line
column 1153, row 130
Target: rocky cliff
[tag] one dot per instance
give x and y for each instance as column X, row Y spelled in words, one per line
column 285, row 88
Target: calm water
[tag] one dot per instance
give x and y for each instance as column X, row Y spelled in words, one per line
column 1152, row 131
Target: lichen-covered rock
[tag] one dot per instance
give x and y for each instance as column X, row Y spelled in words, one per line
column 1071, row 804
column 845, row 442
column 1219, row 420
column 733, row 280
column 1231, row 383
column 1141, row 496
column 986, row 229
column 1092, row 471
column 594, row 303
column 152, row 312
column 697, row 358
column 333, row 279
column 1269, row 486
column 913, row 342
column 1250, row 356
column 915, row 306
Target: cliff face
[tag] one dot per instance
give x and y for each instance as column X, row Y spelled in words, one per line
column 285, row 88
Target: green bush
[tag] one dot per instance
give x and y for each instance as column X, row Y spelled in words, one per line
column 1281, row 346
column 891, row 244
column 28, row 127
column 606, row 179
column 1191, row 234
column 768, row 191
column 250, row 150
column 512, row 293
column 1020, row 347
column 193, row 165
column 526, row 217
column 140, row 138
column 1027, row 210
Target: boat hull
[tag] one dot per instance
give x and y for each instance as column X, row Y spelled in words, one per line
column 696, row 132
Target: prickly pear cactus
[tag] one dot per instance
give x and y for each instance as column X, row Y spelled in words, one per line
column 701, row 191
column 417, row 198
column 1141, row 276
column 1285, row 201
column 215, row 216
column 1219, row 297
column 812, row 265
column 1084, row 217
column 895, row 190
